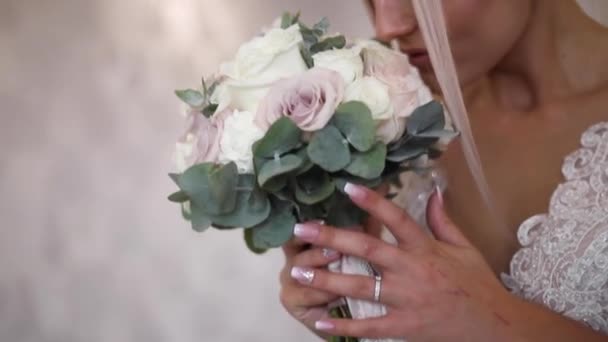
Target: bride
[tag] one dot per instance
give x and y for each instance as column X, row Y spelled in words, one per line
column 534, row 75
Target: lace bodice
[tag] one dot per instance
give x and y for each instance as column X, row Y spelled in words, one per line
column 563, row 262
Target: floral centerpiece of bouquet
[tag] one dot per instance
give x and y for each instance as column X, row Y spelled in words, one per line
column 275, row 135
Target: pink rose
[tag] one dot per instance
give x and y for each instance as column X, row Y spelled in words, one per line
column 406, row 88
column 200, row 143
column 309, row 99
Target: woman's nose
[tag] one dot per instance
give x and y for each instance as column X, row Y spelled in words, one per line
column 394, row 19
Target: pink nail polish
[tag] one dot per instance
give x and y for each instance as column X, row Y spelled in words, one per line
column 329, row 253
column 306, row 231
column 303, row 275
column 354, row 191
column 323, row 325
column 439, row 195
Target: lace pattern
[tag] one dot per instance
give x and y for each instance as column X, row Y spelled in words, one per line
column 563, row 262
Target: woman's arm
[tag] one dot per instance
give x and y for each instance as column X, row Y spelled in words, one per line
column 434, row 289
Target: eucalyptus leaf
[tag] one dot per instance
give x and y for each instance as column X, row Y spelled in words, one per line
column 192, row 97
column 329, row 149
column 276, row 184
column 329, row 43
column 275, row 231
column 209, row 110
column 426, row 117
column 439, row 134
column 370, row 164
column 199, row 220
column 278, row 167
column 288, row 19
column 175, row 178
column 354, row 120
column 406, row 153
column 185, row 209
column 314, row 187
column 343, row 213
column 310, row 212
column 307, row 56
column 210, row 187
column 252, row 206
column 281, row 137
column 248, row 237
column 307, row 164
column 321, row 27
column 178, row 197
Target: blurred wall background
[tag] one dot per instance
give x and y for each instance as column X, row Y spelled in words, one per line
column 90, row 250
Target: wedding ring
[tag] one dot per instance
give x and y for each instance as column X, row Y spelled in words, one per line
column 377, row 288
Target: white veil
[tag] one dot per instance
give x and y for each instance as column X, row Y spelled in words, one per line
column 429, row 14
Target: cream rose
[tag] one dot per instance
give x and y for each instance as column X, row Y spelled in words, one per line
column 309, row 100
column 374, row 94
column 200, row 142
column 239, row 134
column 347, row 62
column 258, row 64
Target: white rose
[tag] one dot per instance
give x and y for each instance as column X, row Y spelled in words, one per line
column 238, row 137
column 374, row 94
column 258, row 64
column 347, row 62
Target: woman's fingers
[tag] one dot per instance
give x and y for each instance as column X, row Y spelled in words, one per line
column 350, row 242
column 297, row 296
column 315, row 257
column 440, row 223
column 380, row 327
column 346, row 285
column 403, row 227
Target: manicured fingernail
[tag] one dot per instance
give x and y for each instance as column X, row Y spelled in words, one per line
column 306, row 231
column 354, row 191
column 439, row 195
column 329, row 253
column 303, row 275
column 323, row 325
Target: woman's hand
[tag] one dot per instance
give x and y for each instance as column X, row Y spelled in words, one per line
column 305, row 304
column 434, row 288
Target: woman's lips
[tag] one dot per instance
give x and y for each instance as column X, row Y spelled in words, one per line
column 419, row 58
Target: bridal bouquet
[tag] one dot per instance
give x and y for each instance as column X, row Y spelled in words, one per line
column 274, row 136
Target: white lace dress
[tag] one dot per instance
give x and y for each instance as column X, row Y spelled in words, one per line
column 563, row 262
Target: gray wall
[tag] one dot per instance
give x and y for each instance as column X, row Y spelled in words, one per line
column 90, row 250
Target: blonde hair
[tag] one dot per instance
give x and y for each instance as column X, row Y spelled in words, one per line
column 431, row 21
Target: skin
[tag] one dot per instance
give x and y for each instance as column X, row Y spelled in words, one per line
column 534, row 78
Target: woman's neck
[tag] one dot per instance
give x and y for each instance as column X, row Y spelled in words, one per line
column 561, row 52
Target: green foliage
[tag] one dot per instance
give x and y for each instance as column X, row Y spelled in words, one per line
column 193, row 98
column 288, row 19
column 252, row 206
column 199, row 220
column 329, row 149
column 276, row 230
column 210, row 187
column 354, row 120
column 178, row 197
column 314, row 187
column 369, row 164
column 281, row 137
column 278, row 167
column 248, row 237
column 425, row 118
column 329, row 43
